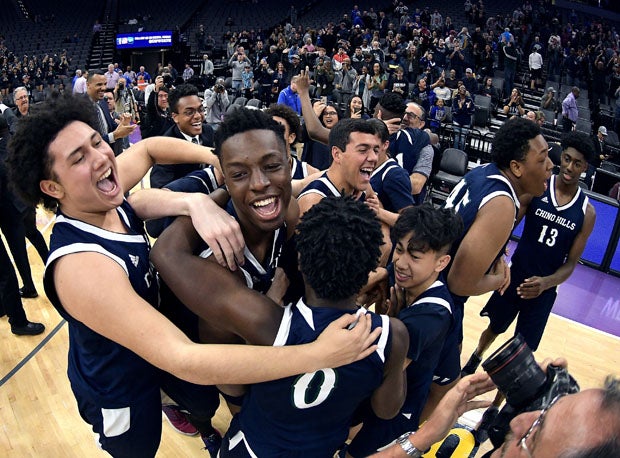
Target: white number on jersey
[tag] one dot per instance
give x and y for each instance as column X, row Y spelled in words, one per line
column 301, row 388
column 549, row 241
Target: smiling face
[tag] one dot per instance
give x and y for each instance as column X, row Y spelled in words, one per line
column 416, row 267
column 357, row 162
column 258, row 178
column 95, row 87
column 189, row 115
column 329, row 116
column 84, row 178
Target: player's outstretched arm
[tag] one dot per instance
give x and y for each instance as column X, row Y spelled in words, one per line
column 95, row 290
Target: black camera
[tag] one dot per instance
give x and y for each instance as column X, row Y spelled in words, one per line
column 526, row 387
column 219, row 88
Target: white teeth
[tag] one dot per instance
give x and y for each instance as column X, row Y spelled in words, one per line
column 106, row 174
column 265, row 202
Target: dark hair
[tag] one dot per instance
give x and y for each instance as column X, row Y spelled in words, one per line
column 28, row 161
column 182, row 90
column 339, row 134
column 243, row 120
column 338, row 242
column 285, row 112
column 512, row 141
column 348, row 110
column 93, row 73
column 392, row 105
column 381, row 129
column 581, row 142
column 433, row 228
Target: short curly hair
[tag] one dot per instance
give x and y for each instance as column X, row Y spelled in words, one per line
column 28, row 160
column 182, row 90
column 581, row 142
column 433, row 228
column 338, row 241
column 285, row 112
column 243, row 120
column 512, row 141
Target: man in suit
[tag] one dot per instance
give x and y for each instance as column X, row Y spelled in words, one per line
column 109, row 130
column 188, row 115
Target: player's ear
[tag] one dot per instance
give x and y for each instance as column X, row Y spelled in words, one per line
column 442, row 262
column 516, row 167
column 336, row 152
column 52, row 188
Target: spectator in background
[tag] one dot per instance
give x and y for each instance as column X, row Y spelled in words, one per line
column 513, row 105
column 206, row 70
column 570, row 112
column 158, row 118
column 237, row 63
column 488, row 90
column 548, row 101
column 188, row 72
column 462, row 110
column 79, row 87
column 111, row 77
column 535, row 62
column 511, row 58
column 288, row 96
column 470, row 82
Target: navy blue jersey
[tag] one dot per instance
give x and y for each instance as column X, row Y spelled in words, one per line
column 203, row 181
column 258, row 276
column 299, row 169
column 324, row 187
column 307, row 415
column 478, row 187
column 100, row 369
column 405, row 146
column 393, row 187
column 428, row 321
column 549, row 232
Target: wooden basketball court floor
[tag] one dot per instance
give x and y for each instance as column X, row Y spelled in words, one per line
column 39, row 418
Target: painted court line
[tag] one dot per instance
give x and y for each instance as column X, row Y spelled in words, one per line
column 30, row 355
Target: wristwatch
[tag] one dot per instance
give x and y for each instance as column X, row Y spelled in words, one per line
column 407, row 446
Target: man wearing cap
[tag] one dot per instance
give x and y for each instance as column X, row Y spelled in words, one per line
column 216, row 101
column 470, row 82
column 547, row 101
column 295, row 67
column 602, row 153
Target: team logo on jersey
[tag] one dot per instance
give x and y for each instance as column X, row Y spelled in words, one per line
column 545, row 199
column 134, row 260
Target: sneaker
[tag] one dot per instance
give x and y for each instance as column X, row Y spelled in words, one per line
column 213, row 442
column 481, row 432
column 472, row 365
column 29, row 329
column 178, row 420
column 28, row 293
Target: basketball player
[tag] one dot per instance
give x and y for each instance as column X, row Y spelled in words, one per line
column 354, row 145
column 255, row 165
column 100, row 280
column 557, row 227
column 487, row 199
column 422, row 236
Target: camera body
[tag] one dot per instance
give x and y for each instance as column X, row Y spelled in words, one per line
column 219, row 88
column 526, row 387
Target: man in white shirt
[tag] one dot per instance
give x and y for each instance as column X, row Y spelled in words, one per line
column 536, row 63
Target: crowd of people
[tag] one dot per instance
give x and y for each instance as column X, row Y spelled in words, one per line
column 266, row 263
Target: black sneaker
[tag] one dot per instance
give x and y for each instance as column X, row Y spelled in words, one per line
column 471, row 365
column 29, row 329
column 481, row 433
column 213, row 442
column 28, row 293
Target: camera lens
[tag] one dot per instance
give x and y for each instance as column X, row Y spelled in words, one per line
column 515, row 372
